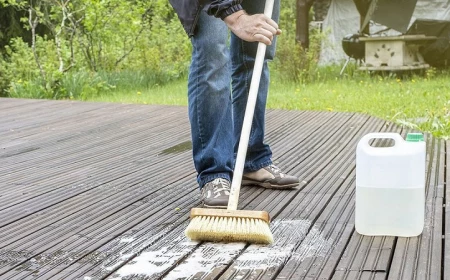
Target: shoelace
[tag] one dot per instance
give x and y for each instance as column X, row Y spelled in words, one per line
column 275, row 169
column 223, row 186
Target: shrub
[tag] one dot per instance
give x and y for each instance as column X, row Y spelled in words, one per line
column 292, row 61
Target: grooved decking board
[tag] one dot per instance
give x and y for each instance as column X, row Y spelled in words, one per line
column 421, row 257
column 446, row 253
column 401, row 258
column 164, row 242
column 65, row 138
column 48, row 113
column 9, row 103
column 214, row 268
column 362, row 275
column 364, row 254
column 65, row 181
column 87, row 122
column 109, row 245
column 300, row 216
column 98, row 190
column 323, row 246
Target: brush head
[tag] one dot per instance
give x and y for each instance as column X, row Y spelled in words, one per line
column 263, row 215
column 221, row 225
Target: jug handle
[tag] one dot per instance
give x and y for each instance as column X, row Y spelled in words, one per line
column 383, row 135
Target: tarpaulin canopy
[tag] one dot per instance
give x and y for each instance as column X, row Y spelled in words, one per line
column 344, row 18
column 393, row 14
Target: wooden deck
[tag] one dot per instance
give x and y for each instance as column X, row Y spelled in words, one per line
column 103, row 191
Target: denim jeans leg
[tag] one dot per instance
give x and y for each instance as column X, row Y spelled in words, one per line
column 209, row 101
column 243, row 56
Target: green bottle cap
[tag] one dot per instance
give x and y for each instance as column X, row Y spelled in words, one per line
column 414, row 137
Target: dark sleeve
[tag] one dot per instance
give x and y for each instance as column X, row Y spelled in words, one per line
column 223, row 8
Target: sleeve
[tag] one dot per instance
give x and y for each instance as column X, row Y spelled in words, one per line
column 223, row 8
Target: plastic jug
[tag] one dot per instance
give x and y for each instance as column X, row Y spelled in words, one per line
column 390, row 186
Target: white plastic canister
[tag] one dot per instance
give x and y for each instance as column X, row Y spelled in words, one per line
column 390, row 186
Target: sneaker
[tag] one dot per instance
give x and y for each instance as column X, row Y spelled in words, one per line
column 270, row 177
column 215, row 194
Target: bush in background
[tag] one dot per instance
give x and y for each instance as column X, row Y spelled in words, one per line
column 292, row 62
column 92, row 46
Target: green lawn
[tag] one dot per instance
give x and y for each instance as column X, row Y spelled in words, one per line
column 420, row 102
column 174, row 93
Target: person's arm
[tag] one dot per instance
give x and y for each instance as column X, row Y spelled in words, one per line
column 223, row 8
column 252, row 28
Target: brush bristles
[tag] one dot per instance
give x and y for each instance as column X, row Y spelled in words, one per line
column 229, row 229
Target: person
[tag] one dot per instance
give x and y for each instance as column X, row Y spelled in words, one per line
column 218, row 84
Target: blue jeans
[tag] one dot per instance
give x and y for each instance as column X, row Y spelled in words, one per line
column 218, row 86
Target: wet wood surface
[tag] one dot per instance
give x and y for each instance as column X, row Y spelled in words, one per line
column 103, row 191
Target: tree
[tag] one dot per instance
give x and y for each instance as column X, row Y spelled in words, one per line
column 11, row 26
column 89, row 36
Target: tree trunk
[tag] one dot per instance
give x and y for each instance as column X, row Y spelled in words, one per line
column 33, row 23
column 302, row 24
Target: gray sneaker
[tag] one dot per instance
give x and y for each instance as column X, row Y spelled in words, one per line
column 270, row 177
column 215, row 194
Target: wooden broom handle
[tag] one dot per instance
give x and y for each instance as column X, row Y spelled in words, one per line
column 248, row 117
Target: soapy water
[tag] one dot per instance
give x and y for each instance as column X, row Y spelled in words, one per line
column 203, row 259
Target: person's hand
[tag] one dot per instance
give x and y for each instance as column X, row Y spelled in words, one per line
column 252, row 28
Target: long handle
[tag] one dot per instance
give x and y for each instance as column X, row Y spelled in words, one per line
column 248, row 118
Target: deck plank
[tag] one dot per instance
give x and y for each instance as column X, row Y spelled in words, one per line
column 57, row 130
column 389, row 254
column 446, row 253
column 71, row 152
column 363, row 275
column 336, row 225
column 85, row 194
column 263, row 198
column 65, row 136
column 47, row 113
column 15, row 106
column 184, row 166
column 307, row 206
column 258, row 190
column 270, row 203
column 421, row 257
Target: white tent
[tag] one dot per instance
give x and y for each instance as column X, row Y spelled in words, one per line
column 343, row 19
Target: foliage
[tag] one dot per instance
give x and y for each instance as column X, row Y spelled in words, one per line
column 418, row 102
column 293, row 62
column 137, row 51
column 143, row 41
column 414, row 101
column 139, row 39
column 89, row 36
column 20, row 74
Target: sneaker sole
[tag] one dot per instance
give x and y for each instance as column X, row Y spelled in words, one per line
column 268, row 185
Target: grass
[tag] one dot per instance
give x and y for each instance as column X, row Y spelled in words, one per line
column 418, row 102
column 173, row 93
